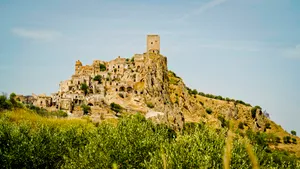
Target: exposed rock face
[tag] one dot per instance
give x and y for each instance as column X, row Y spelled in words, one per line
column 156, row 81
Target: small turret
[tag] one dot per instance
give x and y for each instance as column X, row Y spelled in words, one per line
column 78, row 66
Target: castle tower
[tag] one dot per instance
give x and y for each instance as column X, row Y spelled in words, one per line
column 78, row 65
column 153, row 44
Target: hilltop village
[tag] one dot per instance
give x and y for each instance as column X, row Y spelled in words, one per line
column 134, row 83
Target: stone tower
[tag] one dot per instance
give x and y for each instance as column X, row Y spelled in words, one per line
column 153, row 44
column 78, row 66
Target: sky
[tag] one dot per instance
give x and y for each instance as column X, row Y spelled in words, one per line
column 243, row 49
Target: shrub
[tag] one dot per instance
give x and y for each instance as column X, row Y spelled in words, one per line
column 86, row 109
column 201, row 94
column 293, row 132
column 194, row 92
column 278, row 139
column 219, row 97
column 208, row 111
column 287, row 139
column 150, row 105
column 241, row 125
column 268, row 126
column 12, row 97
column 84, row 87
column 294, row 140
column 59, row 113
column 4, row 103
column 102, row 67
column 98, row 78
column 116, row 107
column 224, row 123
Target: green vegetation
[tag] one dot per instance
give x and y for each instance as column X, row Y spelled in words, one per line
column 150, row 105
column 86, row 109
column 293, row 132
column 241, row 125
column 294, row 140
column 253, row 111
column 216, row 97
column 9, row 104
column 194, row 92
column 102, row 67
column 5, row 103
column 45, row 113
column 84, row 87
column 116, row 107
column 268, row 126
column 287, row 140
column 224, row 122
column 28, row 140
column 278, row 139
column 98, row 78
column 208, row 111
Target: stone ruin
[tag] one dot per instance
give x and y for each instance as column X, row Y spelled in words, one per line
column 133, row 83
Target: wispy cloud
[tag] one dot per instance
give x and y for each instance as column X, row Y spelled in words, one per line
column 205, row 7
column 293, row 52
column 44, row 35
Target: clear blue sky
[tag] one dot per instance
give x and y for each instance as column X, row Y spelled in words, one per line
column 242, row 49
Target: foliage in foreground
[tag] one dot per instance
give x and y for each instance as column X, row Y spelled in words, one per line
column 31, row 141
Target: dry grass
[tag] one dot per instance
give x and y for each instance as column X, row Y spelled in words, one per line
column 252, row 156
column 33, row 119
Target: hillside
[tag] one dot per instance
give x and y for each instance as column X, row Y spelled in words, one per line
column 196, row 107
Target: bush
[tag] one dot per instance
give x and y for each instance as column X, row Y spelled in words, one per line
column 241, row 125
column 293, row 132
column 224, row 123
column 59, row 113
column 4, row 103
column 150, row 105
column 84, row 87
column 294, row 140
column 278, row 139
column 208, row 111
column 86, row 109
column 102, row 67
column 287, row 140
column 116, row 107
column 98, row 78
column 194, row 92
column 268, row 126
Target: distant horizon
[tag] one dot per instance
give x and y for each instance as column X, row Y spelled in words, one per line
column 246, row 50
